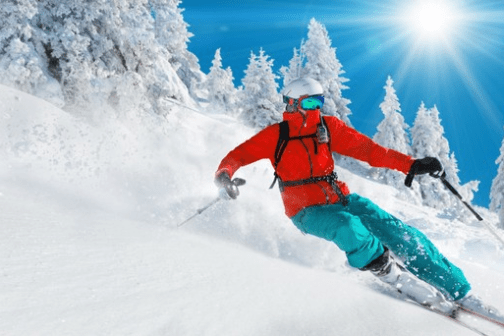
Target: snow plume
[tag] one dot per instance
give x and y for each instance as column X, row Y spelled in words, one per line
column 141, row 166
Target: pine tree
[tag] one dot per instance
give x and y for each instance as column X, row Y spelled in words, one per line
column 392, row 133
column 294, row 70
column 323, row 66
column 72, row 42
column 429, row 140
column 221, row 90
column 88, row 50
column 92, row 46
column 23, row 63
column 497, row 191
column 260, row 99
column 420, row 134
column 443, row 148
column 172, row 32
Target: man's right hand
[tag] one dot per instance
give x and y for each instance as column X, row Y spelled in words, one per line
column 227, row 188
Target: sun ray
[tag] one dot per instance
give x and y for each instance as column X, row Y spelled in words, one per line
column 477, row 91
column 439, row 33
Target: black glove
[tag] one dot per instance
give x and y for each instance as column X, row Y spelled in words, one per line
column 426, row 165
column 223, row 181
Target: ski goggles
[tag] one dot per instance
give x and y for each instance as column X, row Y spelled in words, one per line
column 307, row 102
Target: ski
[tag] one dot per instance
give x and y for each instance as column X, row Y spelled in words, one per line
column 453, row 318
column 484, row 317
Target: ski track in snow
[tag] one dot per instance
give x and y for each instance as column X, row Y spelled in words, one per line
column 89, row 243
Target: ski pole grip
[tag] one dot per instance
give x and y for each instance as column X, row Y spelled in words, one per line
column 409, row 179
column 238, row 181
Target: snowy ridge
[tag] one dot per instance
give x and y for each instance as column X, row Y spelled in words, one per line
column 89, row 244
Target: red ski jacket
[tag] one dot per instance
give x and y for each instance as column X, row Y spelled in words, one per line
column 305, row 158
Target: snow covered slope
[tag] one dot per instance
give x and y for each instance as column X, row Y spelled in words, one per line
column 89, row 243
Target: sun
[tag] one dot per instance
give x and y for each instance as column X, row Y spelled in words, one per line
column 432, row 20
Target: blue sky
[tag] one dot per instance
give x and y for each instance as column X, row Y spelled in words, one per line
column 450, row 55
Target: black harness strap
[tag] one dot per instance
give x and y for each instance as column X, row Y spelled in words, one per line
column 283, row 139
column 280, row 148
column 331, row 179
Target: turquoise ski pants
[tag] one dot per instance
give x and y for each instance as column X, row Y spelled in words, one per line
column 361, row 229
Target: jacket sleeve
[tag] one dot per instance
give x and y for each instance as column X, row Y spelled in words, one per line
column 260, row 146
column 347, row 141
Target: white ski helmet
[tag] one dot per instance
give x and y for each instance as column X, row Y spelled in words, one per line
column 303, row 87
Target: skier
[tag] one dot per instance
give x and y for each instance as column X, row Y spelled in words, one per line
column 300, row 149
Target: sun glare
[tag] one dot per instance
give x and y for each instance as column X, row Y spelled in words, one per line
column 432, row 41
column 431, row 20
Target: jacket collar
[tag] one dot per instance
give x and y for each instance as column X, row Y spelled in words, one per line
column 303, row 122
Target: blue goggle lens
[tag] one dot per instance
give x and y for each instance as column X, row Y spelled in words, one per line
column 312, row 103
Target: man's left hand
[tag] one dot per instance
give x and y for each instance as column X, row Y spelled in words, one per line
column 428, row 165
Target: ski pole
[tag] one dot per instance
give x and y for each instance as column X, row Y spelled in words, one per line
column 199, row 211
column 448, row 185
column 233, row 188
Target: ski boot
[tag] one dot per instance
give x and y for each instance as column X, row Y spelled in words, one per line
column 392, row 273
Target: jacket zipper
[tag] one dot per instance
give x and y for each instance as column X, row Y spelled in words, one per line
column 309, row 157
column 305, row 119
column 311, row 172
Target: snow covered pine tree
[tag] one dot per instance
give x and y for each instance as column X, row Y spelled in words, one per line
column 259, row 100
column 392, row 133
column 497, row 191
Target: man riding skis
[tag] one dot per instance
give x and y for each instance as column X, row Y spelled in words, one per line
column 300, row 149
